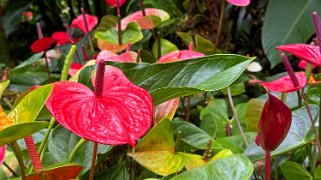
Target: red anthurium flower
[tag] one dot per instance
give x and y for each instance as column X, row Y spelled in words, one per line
column 139, row 18
column 62, row 38
column 239, row 2
column 118, row 112
column 309, row 53
column 180, row 55
column 114, row 2
column 79, row 22
column 303, row 64
column 285, row 84
column 110, row 56
column 2, row 153
column 42, row 44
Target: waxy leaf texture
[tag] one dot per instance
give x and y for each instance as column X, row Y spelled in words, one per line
column 121, row 115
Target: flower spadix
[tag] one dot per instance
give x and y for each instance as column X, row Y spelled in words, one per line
column 117, row 112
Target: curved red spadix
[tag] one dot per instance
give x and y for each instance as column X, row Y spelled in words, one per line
column 139, row 18
column 179, row 55
column 239, row 2
column 121, row 115
column 285, row 84
column 309, row 53
column 274, row 123
column 42, row 44
column 114, row 4
column 2, row 153
column 79, row 22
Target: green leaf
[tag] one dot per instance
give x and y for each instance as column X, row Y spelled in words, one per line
column 21, row 130
column 192, row 137
column 287, row 22
column 109, row 39
column 3, row 86
column 186, row 37
column 170, row 80
column 317, row 173
column 293, row 170
column 253, row 114
column 117, row 172
column 21, row 67
column 62, row 143
column 107, row 22
column 204, row 45
column 156, row 150
column 235, row 142
column 30, row 106
column 233, row 167
column 166, row 47
column 297, row 137
column 66, row 171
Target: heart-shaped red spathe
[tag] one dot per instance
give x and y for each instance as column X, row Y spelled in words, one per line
column 179, row 55
column 2, row 153
column 285, row 84
column 309, row 53
column 114, row 4
column 239, row 2
column 121, row 115
column 42, row 44
column 79, row 22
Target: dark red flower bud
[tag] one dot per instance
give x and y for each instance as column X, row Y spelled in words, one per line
column 274, row 123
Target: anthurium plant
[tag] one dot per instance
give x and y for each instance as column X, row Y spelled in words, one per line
column 150, row 89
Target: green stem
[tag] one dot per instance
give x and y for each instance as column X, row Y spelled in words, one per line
column 93, row 161
column 45, row 138
column 64, row 73
column 16, row 149
column 219, row 25
column 80, row 143
column 178, row 141
column 308, row 147
column 235, row 115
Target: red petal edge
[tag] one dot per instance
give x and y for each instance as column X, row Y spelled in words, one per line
column 42, row 44
column 284, row 84
column 121, row 115
column 2, row 153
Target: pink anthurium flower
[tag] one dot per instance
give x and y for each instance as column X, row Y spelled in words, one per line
column 180, row 55
column 42, row 44
column 274, row 125
column 117, row 112
column 303, row 64
column 309, row 53
column 2, row 153
column 144, row 23
column 113, row 3
column 79, row 23
column 239, row 2
column 285, row 84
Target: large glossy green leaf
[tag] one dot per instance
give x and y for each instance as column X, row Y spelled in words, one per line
column 169, row 80
column 21, row 67
column 233, row 167
column 156, row 150
column 65, row 171
column 62, row 143
column 253, row 114
column 298, row 135
column 29, row 107
column 286, row 22
column 21, row 130
column 293, row 170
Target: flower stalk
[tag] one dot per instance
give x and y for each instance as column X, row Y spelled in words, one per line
column 120, row 42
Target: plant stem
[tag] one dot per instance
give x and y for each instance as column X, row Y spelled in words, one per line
column 16, row 149
column 142, row 7
column 178, row 141
column 10, row 169
column 267, row 165
column 87, row 30
column 80, row 143
column 313, row 125
column 159, row 48
column 311, row 158
column 187, row 108
column 219, row 25
column 47, row 66
column 138, row 58
column 33, row 153
column 230, row 100
column 120, row 42
column 93, row 160
column 84, row 53
column 64, row 73
column 45, row 138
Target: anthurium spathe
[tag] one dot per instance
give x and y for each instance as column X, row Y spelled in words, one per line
column 239, row 2
column 180, row 55
column 42, row 44
column 113, row 3
column 309, row 53
column 145, row 22
column 118, row 112
column 285, row 84
column 274, row 125
column 2, row 153
column 79, row 22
